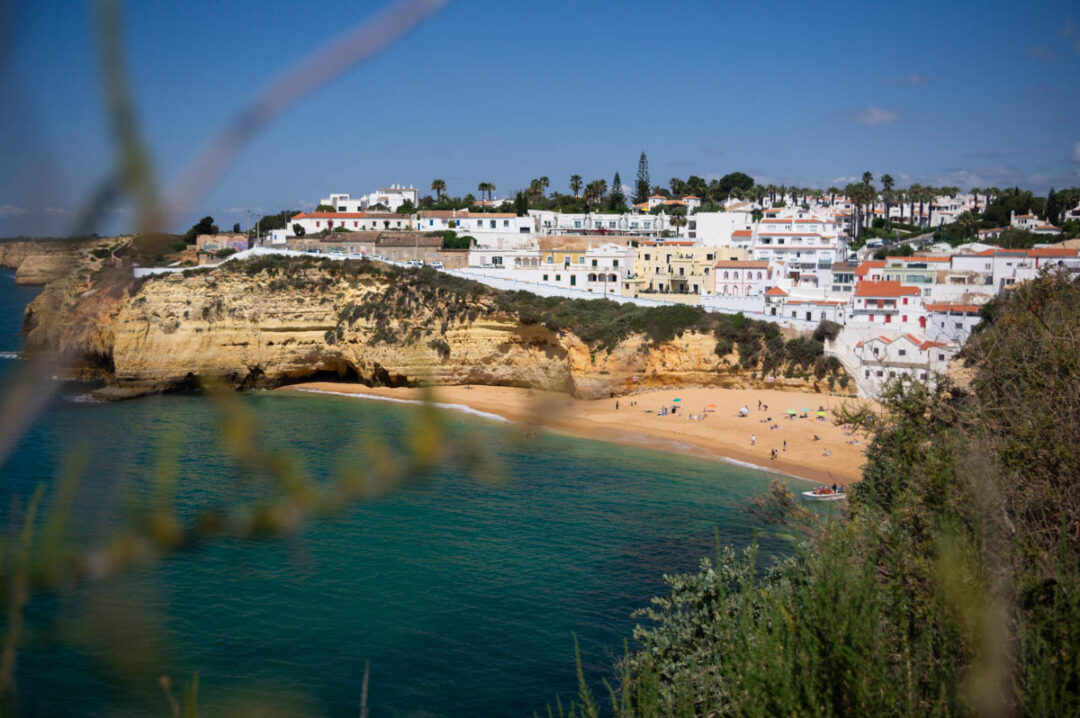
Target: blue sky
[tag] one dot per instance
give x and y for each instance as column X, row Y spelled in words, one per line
column 966, row 93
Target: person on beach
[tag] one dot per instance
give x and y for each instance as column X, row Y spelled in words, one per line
column 753, row 439
column 785, row 444
column 616, row 405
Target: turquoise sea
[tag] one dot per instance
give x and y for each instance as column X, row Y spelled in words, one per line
column 462, row 592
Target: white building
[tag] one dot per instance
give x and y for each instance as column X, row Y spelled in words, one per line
column 1033, row 224
column 315, row 222
column 805, row 243
column 391, row 198
column 882, row 359
column 950, row 322
column 718, row 229
column 638, row 225
column 887, row 303
column 742, row 279
column 599, row 269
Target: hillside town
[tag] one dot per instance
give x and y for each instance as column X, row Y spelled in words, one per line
column 799, row 258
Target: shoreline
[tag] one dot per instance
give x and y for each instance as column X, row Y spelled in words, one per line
column 721, row 436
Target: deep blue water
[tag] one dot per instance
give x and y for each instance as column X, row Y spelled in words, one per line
column 461, row 589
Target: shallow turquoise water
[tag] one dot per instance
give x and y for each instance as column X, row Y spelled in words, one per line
column 462, row 592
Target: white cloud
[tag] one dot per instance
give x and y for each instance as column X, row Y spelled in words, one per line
column 57, row 212
column 875, row 116
column 10, row 210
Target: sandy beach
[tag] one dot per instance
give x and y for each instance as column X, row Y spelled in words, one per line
column 721, row 435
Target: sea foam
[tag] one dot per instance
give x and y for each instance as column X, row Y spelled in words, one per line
column 449, row 407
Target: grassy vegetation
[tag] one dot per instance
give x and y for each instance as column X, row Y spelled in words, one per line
column 952, row 585
column 153, row 249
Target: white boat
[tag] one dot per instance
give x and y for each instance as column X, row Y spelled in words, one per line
column 824, row 494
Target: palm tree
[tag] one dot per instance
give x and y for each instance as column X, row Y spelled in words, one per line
column 678, row 220
column 913, row 194
column 930, row 193
column 967, row 223
column 544, row 184
column 536, row 191
column 483, row 188
column 887, row 183
column 975, row 192
column 575, row 184
column 869, row 195
column 853, row 192
column 833, row 191
column 677, row 186
column 438, row 187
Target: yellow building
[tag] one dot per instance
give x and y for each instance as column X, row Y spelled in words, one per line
column 676, row 271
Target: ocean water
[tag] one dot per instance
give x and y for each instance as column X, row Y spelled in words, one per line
column 461, row 591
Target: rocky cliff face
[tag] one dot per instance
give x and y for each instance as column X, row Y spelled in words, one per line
column 44, row 261
column 265, row 329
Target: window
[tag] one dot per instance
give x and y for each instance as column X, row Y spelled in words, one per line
column 646, row 258
column 941, row 357
column 614, row 263
column 871, row 317
column 340, row 209
column 550, row 259
column 506, row 223
column 880, row 373
column 594, row 263
column 545, row 277
column 573, row 280
column 493, row 224
column 558, row 277
column 902, row 352
column 497, row 261
column 903, row 318
column 905, row 300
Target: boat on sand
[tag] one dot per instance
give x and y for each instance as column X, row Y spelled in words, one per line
column 825, row 493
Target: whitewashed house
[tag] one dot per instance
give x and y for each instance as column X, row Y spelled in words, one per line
column 315, row 222
column 391, row 198
column 888, row 303
column 883, row 359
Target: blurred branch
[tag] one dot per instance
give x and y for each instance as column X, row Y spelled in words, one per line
column 132, row 164
column 358, row 44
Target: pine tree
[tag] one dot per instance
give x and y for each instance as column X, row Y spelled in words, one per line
column 617, row 200
column 641, row 187
column 1052, row 210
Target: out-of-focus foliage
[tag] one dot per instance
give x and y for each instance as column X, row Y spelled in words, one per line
column 953, row 584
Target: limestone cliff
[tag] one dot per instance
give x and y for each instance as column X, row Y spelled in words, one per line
column 44, row 261
column 259, row 327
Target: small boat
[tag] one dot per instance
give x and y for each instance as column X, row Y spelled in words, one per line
column 824, row 494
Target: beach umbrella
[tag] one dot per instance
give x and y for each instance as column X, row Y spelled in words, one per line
column 712, row 406
column 792, row 411
column 821, row 413
column 805, row 411
column 676, row 399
